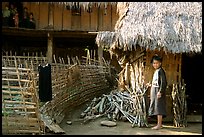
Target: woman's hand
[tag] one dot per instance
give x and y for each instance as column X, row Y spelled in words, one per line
column 158, row 94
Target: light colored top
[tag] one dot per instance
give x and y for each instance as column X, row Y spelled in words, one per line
column 155, row 80
column 6, row 13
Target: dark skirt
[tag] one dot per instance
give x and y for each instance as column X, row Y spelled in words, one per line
column 157, row 105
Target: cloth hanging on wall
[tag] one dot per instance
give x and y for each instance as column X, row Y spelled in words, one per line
column 45, row 83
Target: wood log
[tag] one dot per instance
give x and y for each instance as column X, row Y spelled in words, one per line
column 101, row 107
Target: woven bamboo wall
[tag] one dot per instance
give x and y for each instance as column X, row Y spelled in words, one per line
column 79, row 83
column 171, row 64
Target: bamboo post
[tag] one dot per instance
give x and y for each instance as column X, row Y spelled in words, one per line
column 94, row 56
column 68, row 60
column 49, row 47
column 41, row 54
column 87, row 59
column 100, row 55
column 78, row 60
column 60, row 60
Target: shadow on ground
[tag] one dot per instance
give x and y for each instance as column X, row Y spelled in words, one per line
column 123, row 128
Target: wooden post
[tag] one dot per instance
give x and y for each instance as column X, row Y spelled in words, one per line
column 50, row 15
column 100, row 55
column 49, row 47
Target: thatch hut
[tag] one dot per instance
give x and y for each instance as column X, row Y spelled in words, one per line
column 146, row 28
column 143, row 29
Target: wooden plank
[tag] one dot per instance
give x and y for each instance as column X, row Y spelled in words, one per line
column 85, row 18
column 43, row 15
column 94, row 19
column 58, row 9
column 52, row 126
column 76, row 22
column 67, row 19
column 114, row 16
column 107, row 20
column 16, row 131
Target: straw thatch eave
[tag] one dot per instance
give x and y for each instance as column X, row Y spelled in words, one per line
column 175, row 27
column 84, row 5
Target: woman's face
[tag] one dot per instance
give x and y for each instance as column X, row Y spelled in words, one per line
column 156, row 64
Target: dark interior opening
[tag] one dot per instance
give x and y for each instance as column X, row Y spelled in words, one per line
column 70, row 46
column 192, row 73
column 23, row 45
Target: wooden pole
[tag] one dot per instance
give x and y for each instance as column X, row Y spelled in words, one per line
column 50, row 15
column 100, row 55
column 49, row 48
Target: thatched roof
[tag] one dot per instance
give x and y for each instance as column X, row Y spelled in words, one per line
column 173, row 26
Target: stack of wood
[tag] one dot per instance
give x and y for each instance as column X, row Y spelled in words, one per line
column 118, row 105
column 179, row 105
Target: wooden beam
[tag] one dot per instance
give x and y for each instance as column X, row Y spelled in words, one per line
column 49, row 48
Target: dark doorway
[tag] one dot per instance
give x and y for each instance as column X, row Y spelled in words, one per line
column 192, row 73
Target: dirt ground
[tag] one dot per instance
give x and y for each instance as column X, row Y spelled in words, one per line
column 123, row 128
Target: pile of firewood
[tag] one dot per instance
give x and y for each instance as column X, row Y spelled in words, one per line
column 118, row 105
column 179, row 105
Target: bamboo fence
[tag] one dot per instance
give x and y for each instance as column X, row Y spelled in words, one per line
column 73, row 83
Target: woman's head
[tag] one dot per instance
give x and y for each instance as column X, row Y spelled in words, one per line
column 156, row 61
